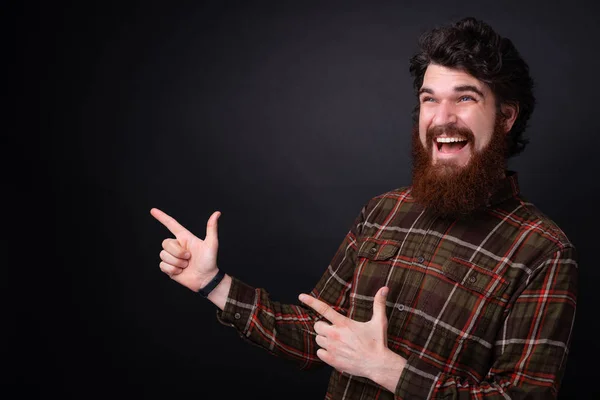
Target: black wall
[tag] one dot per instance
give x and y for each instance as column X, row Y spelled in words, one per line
column 286, row 117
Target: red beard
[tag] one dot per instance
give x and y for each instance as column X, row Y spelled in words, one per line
column 457, row 191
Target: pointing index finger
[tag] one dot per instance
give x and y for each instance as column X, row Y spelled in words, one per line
column 323, row 308
column 169, row 222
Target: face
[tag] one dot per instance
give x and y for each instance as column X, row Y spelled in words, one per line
column 459, row 144
column 457, row 115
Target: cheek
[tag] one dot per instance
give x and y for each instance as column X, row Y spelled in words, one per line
column 422, row 136
column 482, row 139
column 423, row 124
column 482, row 126
column 480, row 143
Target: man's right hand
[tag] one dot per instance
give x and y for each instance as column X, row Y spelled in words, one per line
column 187, row 259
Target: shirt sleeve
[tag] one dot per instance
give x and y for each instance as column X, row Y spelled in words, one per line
column 530, row 350
column 288, row 330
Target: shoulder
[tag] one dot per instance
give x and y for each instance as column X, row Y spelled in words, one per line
column 393, row 196
column 545, row 231
column 381, row 207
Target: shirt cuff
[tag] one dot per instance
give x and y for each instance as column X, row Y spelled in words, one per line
column 418, row 379
column 239, row 307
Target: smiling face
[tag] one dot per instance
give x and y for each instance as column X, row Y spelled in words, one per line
column 459, row 145
column 457, row 115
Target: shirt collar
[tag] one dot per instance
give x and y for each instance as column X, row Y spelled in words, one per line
column 509, row 187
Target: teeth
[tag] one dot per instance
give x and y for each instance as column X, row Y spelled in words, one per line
column 449, row 140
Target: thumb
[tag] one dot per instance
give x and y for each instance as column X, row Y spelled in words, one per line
column 379, row 304
column 211, row 228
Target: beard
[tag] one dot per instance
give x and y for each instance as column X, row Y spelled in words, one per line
column 448, row 189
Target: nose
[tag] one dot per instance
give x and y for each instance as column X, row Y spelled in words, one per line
column 445, row 114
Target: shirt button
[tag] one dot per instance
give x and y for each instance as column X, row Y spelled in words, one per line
column 420, row 259
column 472, row 279
column 400, row 307
column 373, row 249
column 237, row 315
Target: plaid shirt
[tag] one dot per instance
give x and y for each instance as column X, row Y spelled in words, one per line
column 480, row 307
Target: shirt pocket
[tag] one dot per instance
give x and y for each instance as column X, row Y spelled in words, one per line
column 465, row 299
column 481, row 295
column 375, row 258
column 475, row 278
column 378, row 250
column 461, row 315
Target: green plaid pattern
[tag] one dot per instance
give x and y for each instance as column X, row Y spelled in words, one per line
column 481, row 307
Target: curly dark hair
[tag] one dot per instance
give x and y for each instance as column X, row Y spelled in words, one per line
column 473, row 46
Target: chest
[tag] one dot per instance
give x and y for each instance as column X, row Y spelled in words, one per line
column 450, row 282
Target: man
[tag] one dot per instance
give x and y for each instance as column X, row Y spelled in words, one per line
column 453, row 287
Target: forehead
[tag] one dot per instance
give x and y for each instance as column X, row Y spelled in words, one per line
column 440, row 78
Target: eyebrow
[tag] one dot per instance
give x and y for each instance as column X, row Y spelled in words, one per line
column 461, row 88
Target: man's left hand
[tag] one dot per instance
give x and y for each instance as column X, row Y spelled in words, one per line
column 356, row 348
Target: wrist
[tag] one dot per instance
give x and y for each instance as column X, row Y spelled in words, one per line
column 209, row 285
column 388, row 371
column 220, row 293
column 201, row 280
column 204, row 279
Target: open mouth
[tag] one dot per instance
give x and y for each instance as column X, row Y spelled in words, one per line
column 450, row 145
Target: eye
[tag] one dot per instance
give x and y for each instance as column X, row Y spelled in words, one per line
column 427, row 99
column 466, row 98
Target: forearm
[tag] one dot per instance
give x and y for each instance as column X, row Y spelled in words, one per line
column 283, row 329
column 388, row 372
column 421, row 380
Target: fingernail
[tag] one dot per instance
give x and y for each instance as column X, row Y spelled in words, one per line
column 384, row 292
column 301, row 298
column 187, row 253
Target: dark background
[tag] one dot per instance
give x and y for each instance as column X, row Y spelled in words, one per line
column 286, row 117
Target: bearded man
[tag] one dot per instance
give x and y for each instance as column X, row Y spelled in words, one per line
column 453, row 287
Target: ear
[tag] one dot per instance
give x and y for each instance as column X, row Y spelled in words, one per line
column 510, row 112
